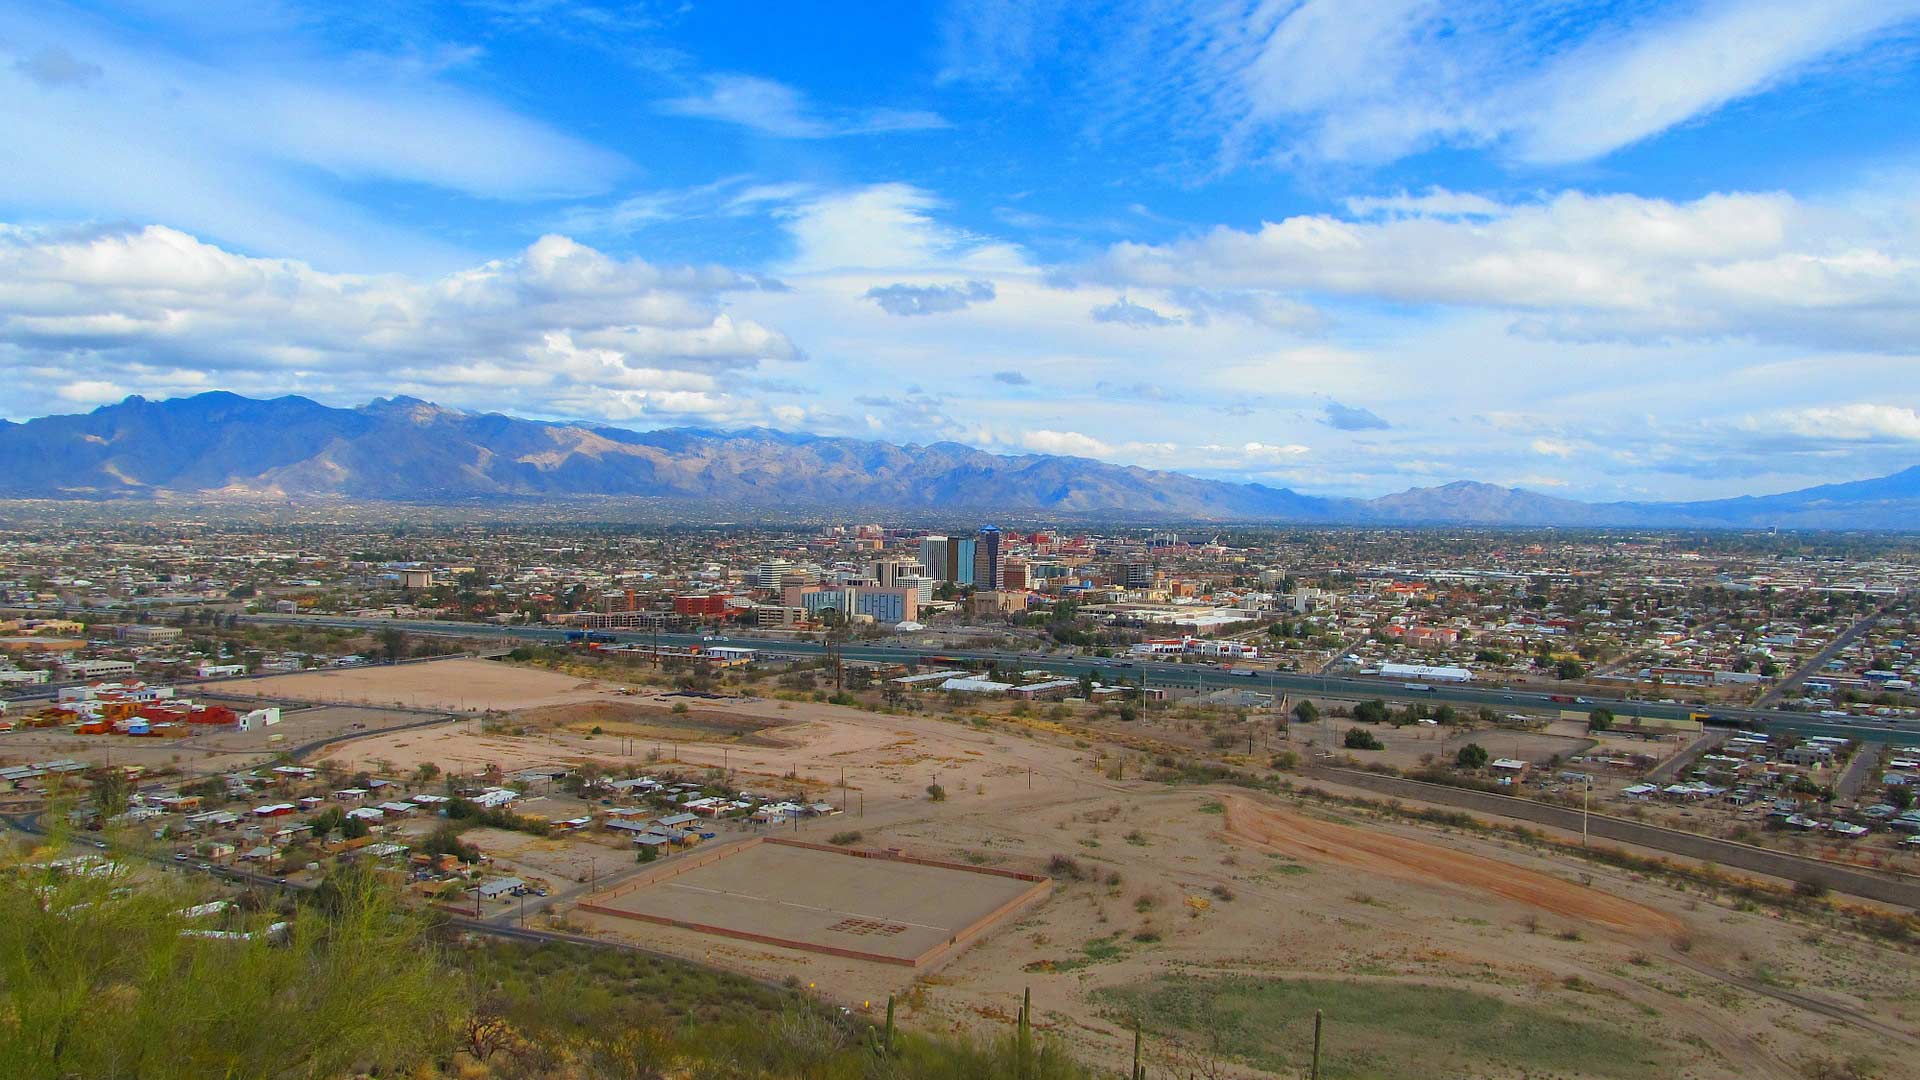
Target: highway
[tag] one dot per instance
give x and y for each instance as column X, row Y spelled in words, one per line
column 1163, row 674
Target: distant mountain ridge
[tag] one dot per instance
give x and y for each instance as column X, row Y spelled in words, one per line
column 404, row 449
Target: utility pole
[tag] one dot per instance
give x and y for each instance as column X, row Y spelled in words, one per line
column 1586, row 791
column 1317, row 1018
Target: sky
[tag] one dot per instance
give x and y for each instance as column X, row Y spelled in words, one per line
column 1630, row 250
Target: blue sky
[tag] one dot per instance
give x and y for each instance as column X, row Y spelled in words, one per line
column 1602, row 250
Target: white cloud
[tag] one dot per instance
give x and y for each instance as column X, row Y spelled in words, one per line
column 886, row 227
column 257, row 146
column 1858, row 422
column 558, row 328
column 1436, row 202
column 1071, row 443
column 1579, row 267
column 1615, row 92
column 1552, row 448
column 774, row 108
column 1335, row 81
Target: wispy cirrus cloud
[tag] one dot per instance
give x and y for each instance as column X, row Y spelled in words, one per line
column 260, row 145
column 774, row 108
column 1328, row 81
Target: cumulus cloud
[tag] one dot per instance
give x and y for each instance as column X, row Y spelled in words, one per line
column 1011, row 378
column 930, row 299
column 1588, row 267
column 774, row 108
column 557, row 328
column 1860, row 422
column 1248, row 457
column 1127, row 313
column 1352, row 418
column 1070, row 443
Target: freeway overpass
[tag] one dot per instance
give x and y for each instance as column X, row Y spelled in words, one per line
column 1158, row 673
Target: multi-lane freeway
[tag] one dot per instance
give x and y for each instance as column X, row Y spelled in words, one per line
column 1167, row 675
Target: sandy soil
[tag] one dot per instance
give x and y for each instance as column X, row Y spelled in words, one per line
column 649, row 719
column 454, row 685
column 1322, row 842
column 884, row 759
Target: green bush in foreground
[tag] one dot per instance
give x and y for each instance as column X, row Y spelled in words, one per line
column 103, row 977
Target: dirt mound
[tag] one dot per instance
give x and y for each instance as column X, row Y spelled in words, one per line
column 1397, row 857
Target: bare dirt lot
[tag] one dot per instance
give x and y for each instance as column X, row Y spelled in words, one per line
column 454, row 685
column 1326, row 843
column 653, row 720
column 837, row 902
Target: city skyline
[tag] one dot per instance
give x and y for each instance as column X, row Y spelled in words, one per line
column 1636, row 251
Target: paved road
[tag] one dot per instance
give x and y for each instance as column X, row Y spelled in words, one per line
column 1664, row 772
column 1351, row 687
column 1819, row 660
column 1891, row 888
column 1861, row 772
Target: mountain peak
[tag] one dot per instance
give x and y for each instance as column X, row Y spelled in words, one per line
column 403, row 448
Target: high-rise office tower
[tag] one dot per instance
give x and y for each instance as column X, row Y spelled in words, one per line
column 989, row 558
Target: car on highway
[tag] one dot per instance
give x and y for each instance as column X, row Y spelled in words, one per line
column 205, row 866
column 179, row 856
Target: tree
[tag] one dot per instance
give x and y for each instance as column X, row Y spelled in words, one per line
column 1568, row 670
column 445, row 840
column 1600, row 720
column 393, row 643
column 1361, row 739
column 1306, row 712
column 1371, row 712
column 110, row 793
column 1472, row 756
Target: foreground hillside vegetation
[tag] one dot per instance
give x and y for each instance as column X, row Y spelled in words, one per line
column 108, row 974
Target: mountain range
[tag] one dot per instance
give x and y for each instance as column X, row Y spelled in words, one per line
column 402, row 449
